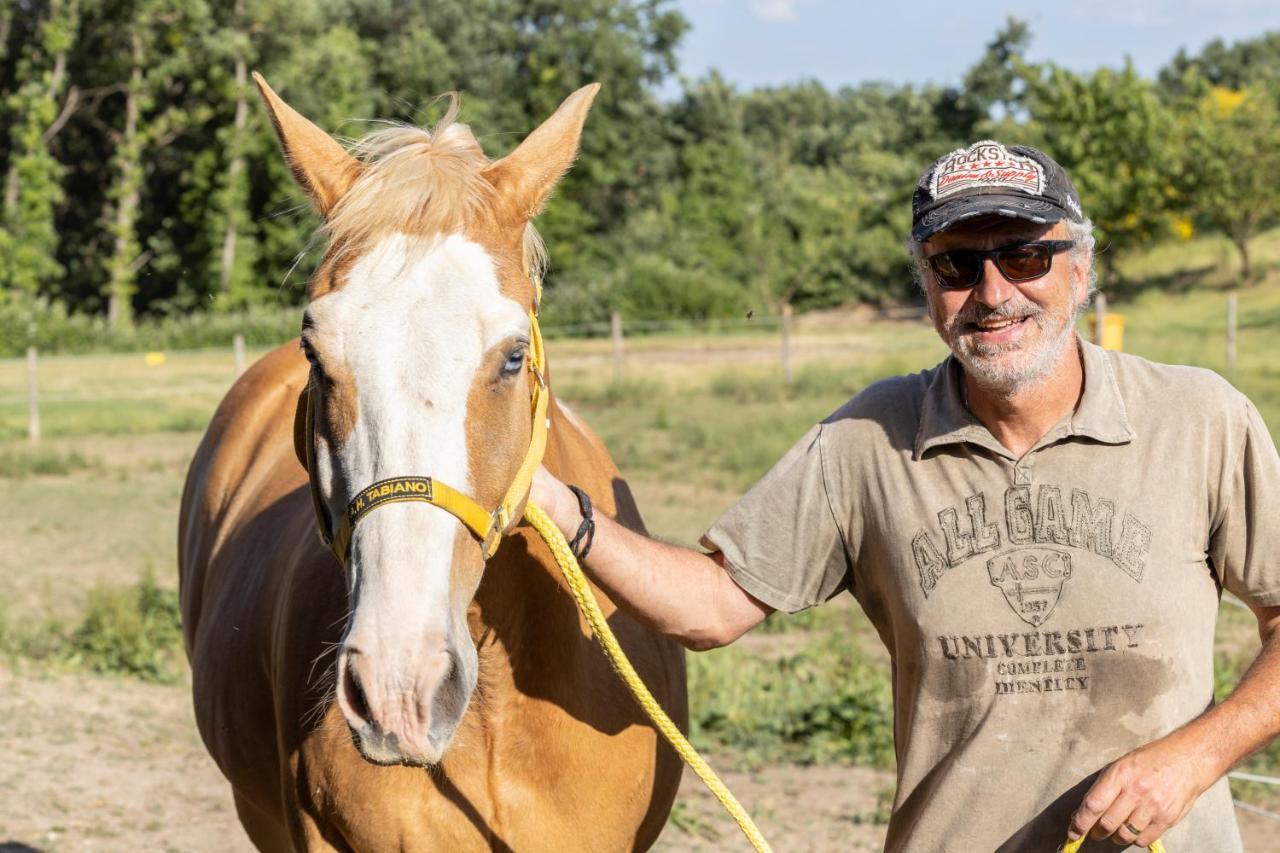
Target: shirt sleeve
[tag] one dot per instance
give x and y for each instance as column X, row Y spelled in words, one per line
column 1245, row 542
column 781, row 541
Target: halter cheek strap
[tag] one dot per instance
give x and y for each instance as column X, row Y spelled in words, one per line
column 486, row 525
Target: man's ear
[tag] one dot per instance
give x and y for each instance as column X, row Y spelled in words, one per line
column 1080, row 276
column 525, row 178
column 322, row 168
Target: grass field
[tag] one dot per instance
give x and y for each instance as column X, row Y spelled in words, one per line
column 693, row 420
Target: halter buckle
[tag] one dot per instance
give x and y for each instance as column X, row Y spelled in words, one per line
column 499, row 520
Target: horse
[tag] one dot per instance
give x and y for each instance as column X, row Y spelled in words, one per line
column 415, row 692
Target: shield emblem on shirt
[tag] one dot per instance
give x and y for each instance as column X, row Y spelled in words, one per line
column 1031, row 580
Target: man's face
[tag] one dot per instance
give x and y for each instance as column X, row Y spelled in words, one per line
column 1007, row 334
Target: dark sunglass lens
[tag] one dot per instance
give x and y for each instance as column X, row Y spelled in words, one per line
column 957, row 269
column 1024, row 263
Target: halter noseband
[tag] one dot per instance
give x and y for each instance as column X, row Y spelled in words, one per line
column 487, row 526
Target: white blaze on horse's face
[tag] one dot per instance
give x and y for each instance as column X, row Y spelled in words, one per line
column 416, row 328
column 418, row 373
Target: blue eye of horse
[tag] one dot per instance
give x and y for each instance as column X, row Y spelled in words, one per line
column 515, row 362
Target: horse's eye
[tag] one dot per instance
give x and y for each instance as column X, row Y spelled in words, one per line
column 308, row 352
column 514, row 363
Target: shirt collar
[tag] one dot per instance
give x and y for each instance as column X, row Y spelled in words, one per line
column 1100, row 415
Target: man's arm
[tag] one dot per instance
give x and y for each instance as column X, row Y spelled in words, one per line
column 679, row 592
column 1153, row 787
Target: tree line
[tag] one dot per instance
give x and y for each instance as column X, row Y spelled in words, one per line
column 141, row 178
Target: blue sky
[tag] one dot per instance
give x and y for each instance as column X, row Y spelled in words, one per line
column 772, row 42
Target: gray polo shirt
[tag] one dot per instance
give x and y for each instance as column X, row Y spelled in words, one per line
column 1044, row 615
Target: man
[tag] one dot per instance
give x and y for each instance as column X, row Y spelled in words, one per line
column 1040, row 531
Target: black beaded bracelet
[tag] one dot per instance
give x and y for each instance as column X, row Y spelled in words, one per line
column 586, row 534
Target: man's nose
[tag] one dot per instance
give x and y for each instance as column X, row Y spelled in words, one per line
column 993, row 289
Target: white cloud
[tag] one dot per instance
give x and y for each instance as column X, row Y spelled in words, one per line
column 775, row 10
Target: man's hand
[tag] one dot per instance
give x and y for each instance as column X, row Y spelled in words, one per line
column 1148, row 790
column 555, row 499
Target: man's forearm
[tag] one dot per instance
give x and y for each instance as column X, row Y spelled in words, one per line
column 676, row 591
column 1249, row 718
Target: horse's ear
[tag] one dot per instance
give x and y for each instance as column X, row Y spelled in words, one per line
column 302, row 435
column 323, row 168
column 525, row 177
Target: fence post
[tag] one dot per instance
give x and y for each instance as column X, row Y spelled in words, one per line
column 1231, row 331
column 33, row 397
column 615, row 331
column 1100, row 317
column 237, row 348
column 786, row 342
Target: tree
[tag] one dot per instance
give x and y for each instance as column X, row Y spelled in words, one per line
column 1229, row 144
column 1250, row 62
column 994, row 84
column 37, row 111
column 1112, row 135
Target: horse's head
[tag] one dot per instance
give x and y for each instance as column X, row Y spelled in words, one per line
column 419, row 334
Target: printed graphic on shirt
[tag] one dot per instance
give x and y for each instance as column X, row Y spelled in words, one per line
column 1043, row 661
column 1030, row 548
column 1031, row 580
column 1090, row 526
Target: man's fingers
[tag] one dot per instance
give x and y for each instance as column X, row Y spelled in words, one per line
column 1112, row 820
column 1140, row 824
column 1095, row 804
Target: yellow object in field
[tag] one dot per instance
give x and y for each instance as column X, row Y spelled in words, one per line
column 154, row 359
column 1112, row 331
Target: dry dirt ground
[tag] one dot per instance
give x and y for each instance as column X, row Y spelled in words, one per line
column 111, row 764
column 108, row 764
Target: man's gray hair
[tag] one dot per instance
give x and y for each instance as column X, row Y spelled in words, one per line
column 1080, row 233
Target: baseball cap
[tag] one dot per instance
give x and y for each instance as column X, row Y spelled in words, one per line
column 987, row 178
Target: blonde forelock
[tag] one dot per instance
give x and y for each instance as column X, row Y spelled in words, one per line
column 420, row 181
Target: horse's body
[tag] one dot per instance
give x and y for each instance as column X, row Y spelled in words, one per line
column 551, row 752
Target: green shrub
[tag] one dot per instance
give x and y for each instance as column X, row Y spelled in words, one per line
column 130, row 630
column 823, row 703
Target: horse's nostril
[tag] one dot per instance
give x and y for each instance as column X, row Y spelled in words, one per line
column 356, row 700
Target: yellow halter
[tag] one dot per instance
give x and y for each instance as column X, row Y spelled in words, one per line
column 487, row 526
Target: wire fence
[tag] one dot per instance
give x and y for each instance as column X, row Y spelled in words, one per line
column 754, row 337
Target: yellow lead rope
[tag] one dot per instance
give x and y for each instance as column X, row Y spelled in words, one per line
column 1073, row 846
column 618, row 659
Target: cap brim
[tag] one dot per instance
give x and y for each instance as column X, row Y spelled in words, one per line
column 1023, row 207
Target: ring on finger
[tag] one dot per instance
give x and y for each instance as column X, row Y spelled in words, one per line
column 1132, row 828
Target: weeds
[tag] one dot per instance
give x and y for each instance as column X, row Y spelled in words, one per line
column 684, row 819
column 823, row 703
column 27, row 461
column 132, row 630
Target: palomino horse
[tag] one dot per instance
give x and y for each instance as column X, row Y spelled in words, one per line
column 418, row 697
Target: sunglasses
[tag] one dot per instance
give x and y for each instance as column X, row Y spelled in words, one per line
column 962, row 268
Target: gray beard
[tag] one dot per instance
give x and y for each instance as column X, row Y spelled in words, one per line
column 1008, row 378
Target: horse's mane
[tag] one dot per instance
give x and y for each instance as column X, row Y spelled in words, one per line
column 417, row 180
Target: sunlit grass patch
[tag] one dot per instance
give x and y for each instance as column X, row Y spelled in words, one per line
column 27, row 460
